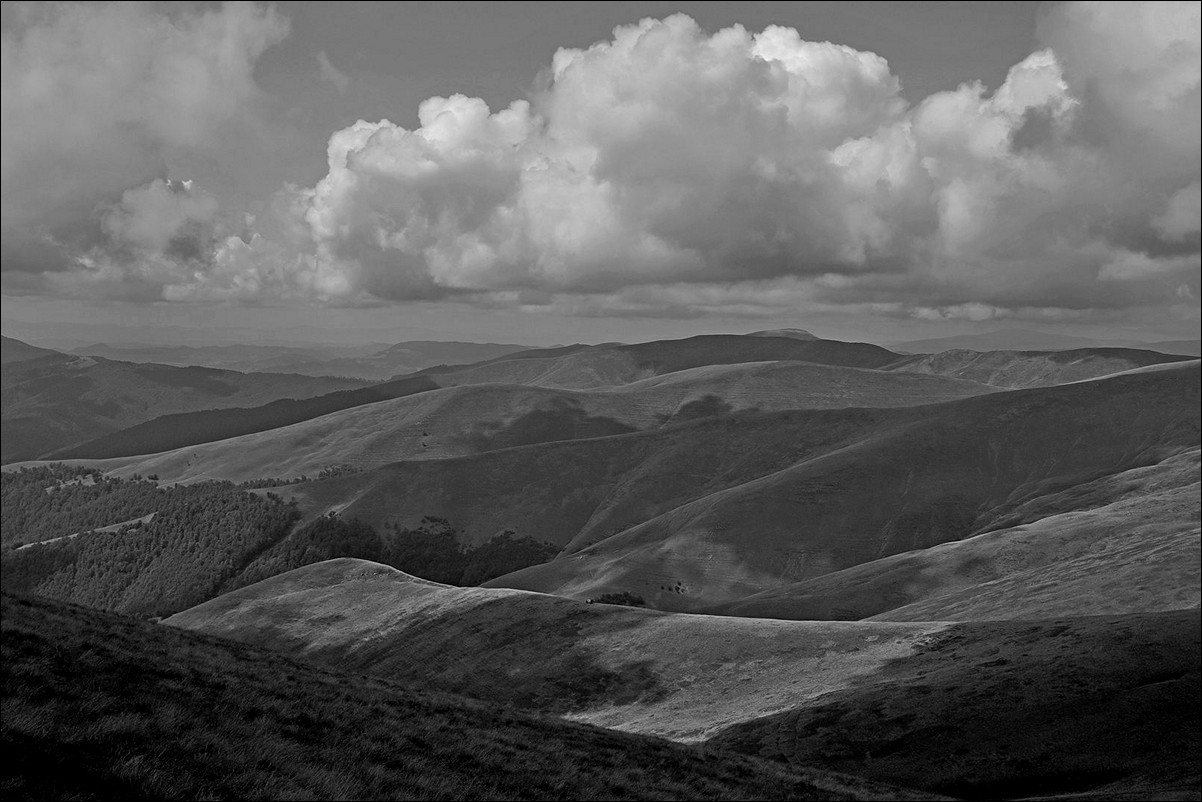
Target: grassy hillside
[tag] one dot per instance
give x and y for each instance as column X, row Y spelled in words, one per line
column 12, row 350
column 169, row 432
column 473, row 419
column 53, row 402
column 1105, row 707
column 1184, row 347
column 1018, row 369
column 1130, row 544
column 611, row 365
column 567, row 368
column 711, row 511
column 100, row 706
column 807, row 494
column 680, row 676
column 987, row 709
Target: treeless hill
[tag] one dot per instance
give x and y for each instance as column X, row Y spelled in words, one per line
column 1004, row 340
column 611, row 364
column 1130, row 544
column 1019, row 369
column 575, row 367
column 375, row 362
column 12, row 350
column 59, row 400
column 678, row 676
column 780, row 498
column 1183, row 347
column 101, row 706
column 472, row 419
column 947, row 706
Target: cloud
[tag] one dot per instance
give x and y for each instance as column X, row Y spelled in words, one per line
column 675, row 172
column 99, row 98
column 331, row 74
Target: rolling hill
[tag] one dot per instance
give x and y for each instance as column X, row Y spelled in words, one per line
column 424, row 423
column 1184, row 347
column 374, row 362
column 779, row 498
column 1130, row 544
column 706, row 512
column 575, row 367
column 1005, row 340
column 57, row 400
column 1101, row 708
column 17, row 351
column 944, row 705
column 738, row 370
column 1021, row 369
column 98, row 705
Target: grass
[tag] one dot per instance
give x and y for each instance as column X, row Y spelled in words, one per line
column 1107, row 706
column 100, row 706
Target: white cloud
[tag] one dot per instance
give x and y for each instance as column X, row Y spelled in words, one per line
column 671, row 171
column 96, row 99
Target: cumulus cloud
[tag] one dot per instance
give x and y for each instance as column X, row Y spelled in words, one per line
column 97, row 98
column 668, row 170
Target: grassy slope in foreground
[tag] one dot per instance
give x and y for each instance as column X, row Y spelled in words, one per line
column 96, row 705
column 988, row 707
column 1107, row 707
column 679, row 676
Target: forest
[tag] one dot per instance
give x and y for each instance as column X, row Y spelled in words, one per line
column 137, row 547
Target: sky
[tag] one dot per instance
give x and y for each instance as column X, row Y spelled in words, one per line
column 583, row 172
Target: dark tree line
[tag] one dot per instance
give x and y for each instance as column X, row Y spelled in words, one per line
column 205, row 539
column 201, row 535
column 433, row 550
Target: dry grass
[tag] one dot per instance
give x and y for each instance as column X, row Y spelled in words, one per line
column 99, row 706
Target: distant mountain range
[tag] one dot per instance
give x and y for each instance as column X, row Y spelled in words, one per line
column 1030, row 340
column 52, row 400
column 374, row 362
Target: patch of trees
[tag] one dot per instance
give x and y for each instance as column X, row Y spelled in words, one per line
column 201, row 538
column 624, row 597
column 204, row 539
column 432, row 550
column 327, row 472
column 50, row 501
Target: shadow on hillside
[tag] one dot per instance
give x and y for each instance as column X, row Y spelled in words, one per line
column 988, row 710
column 563, row 419
column 522, row 652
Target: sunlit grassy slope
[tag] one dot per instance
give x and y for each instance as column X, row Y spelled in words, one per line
column 100, row 706
column 988, row 707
